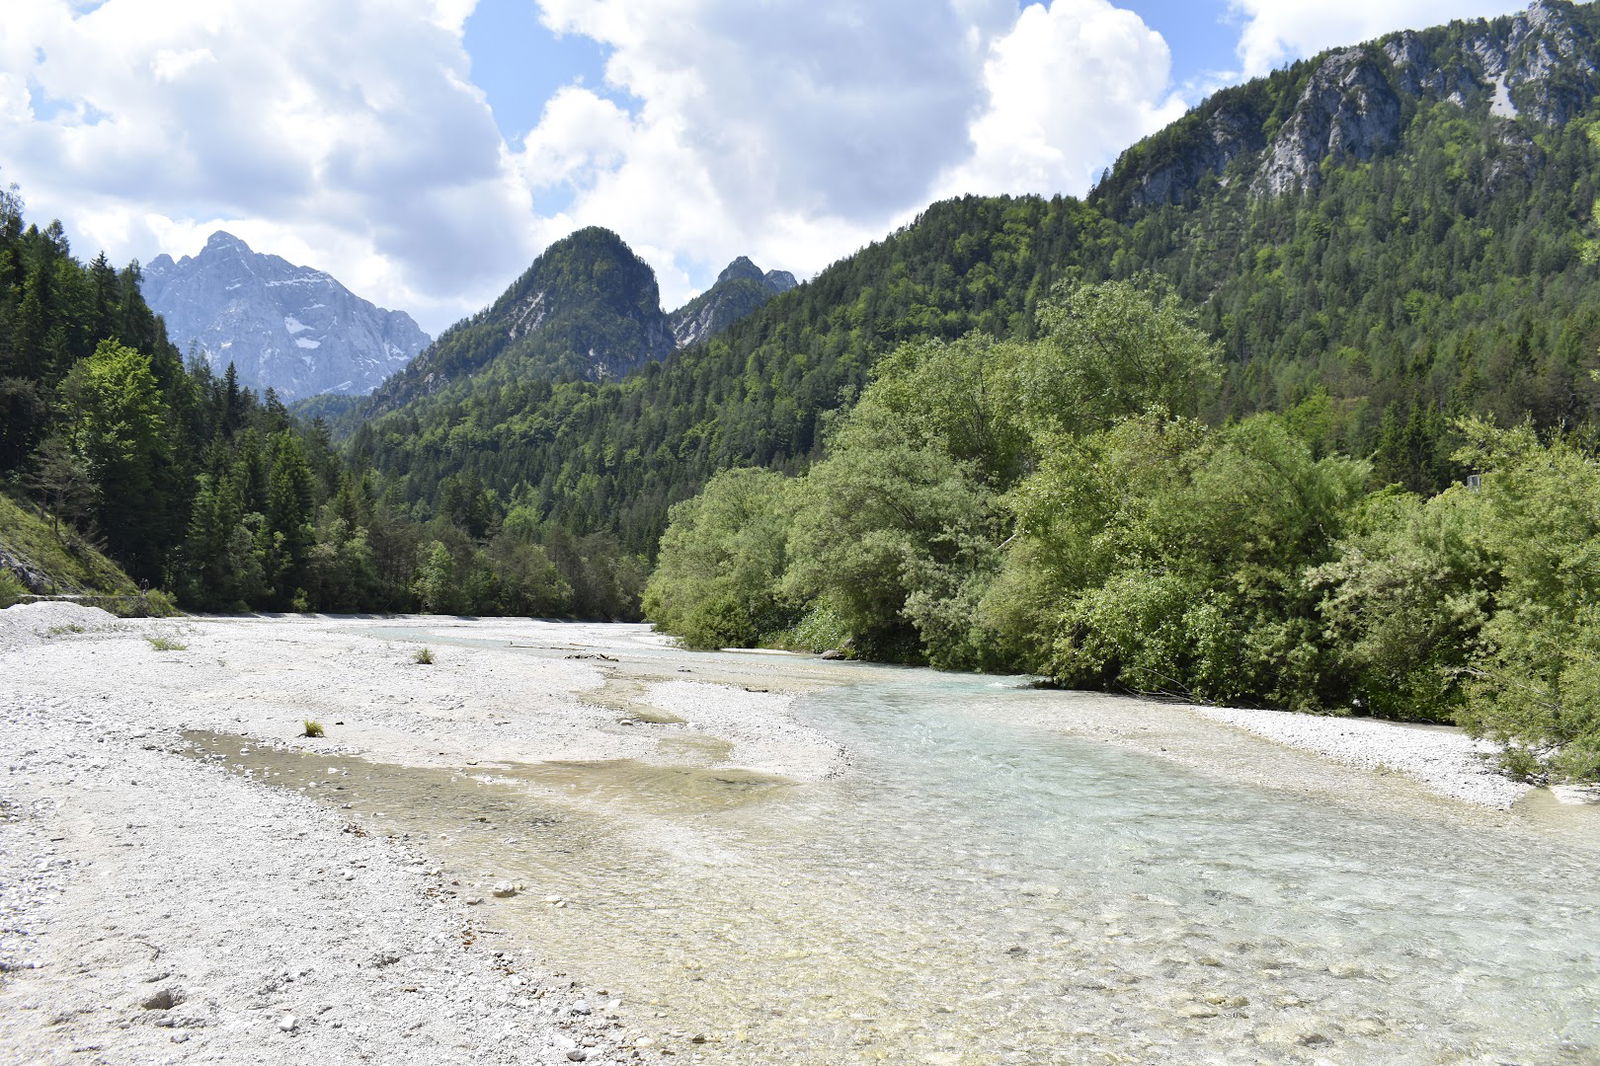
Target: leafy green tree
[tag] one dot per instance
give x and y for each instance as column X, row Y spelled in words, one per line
column 438, row 586
column 716, row 578
column 115, row 421
column 1112, row 350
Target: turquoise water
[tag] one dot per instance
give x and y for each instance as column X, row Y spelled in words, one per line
column 978, row 890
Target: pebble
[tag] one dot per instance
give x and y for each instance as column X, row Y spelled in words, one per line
column 288, row 1023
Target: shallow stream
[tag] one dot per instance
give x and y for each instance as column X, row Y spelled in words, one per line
column 979, row 890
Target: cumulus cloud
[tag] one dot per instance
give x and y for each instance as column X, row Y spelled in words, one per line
column 1278, row 31
column 795, row 132
column 349, row 131
column 349, row 135
column 1068, row 87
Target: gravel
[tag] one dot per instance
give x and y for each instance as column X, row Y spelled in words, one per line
column 1444, row 759
column 155, row 907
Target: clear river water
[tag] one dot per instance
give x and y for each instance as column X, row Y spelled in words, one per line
column 977, row 889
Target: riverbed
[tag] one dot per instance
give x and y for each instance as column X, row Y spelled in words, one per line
column 754, row 859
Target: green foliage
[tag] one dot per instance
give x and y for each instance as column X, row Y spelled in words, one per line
column 422, row 656
column 312, row 729
column 1538, row 685
column 167, row 644
column 71, row 564
column 715, row 583
column 11, row 589
column 1115, row 349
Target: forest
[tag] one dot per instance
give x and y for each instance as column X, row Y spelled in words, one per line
column 1056, row 507
column 220, row 497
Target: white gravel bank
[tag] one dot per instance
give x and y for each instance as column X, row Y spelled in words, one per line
column 1446, row 760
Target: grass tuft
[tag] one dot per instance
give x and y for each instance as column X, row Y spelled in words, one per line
column 313, row 729
column 166, row 644
column 422, row 656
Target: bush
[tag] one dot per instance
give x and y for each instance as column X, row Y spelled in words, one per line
column 313, row 729
column 11, row 590
column 422, row 656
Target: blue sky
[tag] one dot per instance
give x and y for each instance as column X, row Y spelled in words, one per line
column 424, row 151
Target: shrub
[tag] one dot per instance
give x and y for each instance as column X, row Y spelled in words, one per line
column 11, row 590
column 313, row 729
column 422, row 656
column 166, row 644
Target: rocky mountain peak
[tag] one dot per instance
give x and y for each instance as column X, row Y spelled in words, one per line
column 740, row 289
column 1541, row 66
column 289, row 328
column 1347, row 109
column 740, row 269
column 223, row 241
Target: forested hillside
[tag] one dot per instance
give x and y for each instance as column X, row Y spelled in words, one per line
column 194, row 484
column 1380, row 230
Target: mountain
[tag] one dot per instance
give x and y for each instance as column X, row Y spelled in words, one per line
column 1381, row 237
column 588, row 309
column 285, row 327
column 740, row 289
column 1273, row 135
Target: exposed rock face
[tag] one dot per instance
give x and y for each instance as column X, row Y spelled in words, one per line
column 740, row 289
column 282, row 326
column 1347, row 109
column 1227, row 133
column 588, row 308
column 1541, row 66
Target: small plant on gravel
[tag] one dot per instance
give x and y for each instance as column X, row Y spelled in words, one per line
column 422, row 656
column 313, row 729
column 56, row 631
column 166, row 644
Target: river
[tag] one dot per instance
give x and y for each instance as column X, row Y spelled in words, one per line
column 977, row 888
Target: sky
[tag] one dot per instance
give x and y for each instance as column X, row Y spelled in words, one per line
column 425, row 151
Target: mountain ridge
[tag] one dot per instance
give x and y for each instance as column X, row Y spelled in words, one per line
column 587, row 309
column 294, row 329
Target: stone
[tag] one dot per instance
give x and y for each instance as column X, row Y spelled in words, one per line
column 165, row 999
column 288, row 1023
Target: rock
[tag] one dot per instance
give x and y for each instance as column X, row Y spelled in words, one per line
column 288, row 1023
column 577, row 1054
column 506, row 889
column 289, row 327
column 832, row 654
column 165, row 999
column 581, row 1007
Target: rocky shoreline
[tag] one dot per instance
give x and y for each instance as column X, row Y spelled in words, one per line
column 159, row 906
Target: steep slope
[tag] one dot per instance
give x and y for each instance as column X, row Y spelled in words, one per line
column 1273, row 135
column 1372, row 230
column 588, row 308
column 44, row 558
column 740, row 289
column 282, row 326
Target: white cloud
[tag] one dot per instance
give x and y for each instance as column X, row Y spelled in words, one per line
column 1069, row 87
column 796, row 132
column 348, row 131
column 789, row 131
column 1278, row 31
column 348, row 136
